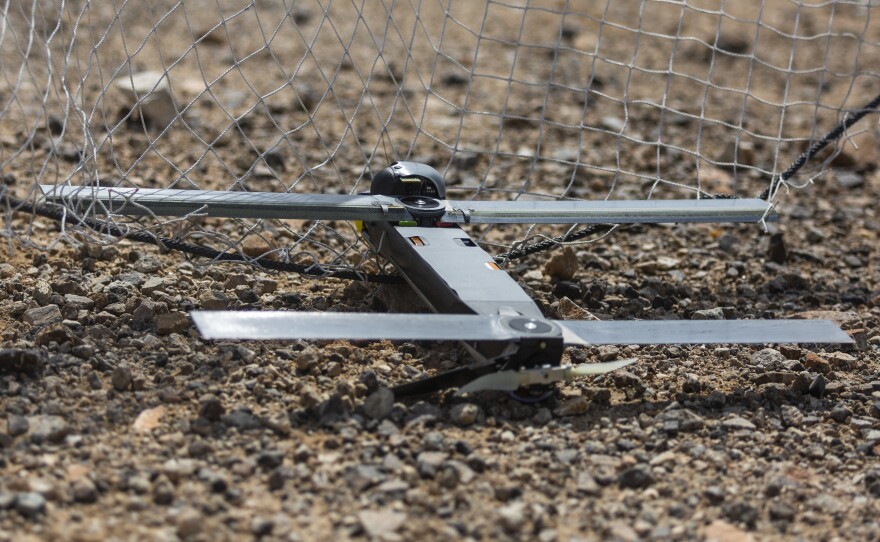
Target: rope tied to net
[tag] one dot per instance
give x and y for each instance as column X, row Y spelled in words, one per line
column 836, row 133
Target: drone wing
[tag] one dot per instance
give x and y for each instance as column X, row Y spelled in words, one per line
column 224, row 204
column 609, row 211
column 586, row 332
column 288, row 325
column 283, row 205
column 285, row 325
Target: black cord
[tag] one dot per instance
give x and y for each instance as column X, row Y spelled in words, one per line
column 60, row 214
column 817, row 147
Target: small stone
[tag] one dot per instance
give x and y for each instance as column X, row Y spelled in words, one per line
column 738, row 423
column 16, row 425
column 42, row 316
column 307, row 359
column 172, row 322
column 741, row 512
column 18, row 360
column 211, row 408
column 512, row 517
column 849, row 179
column 816, row 363
column 573, row 407
column 429, row 463
column 563, row 265
column 716, row 313
column 817, row 387
column 78, row 302
column 30, row 505
column 261, row 527
column 148, row 264
column 380, row 524
column 714, row 494
column 465, row 414
column 52, row 429
column 840, row 413
column 213, row 300
column 84, row 491
column 728, row 242
column 569, row 310
column 242, row 419
column 121, row 377
column 152, row 284
column 776, row 250
column 768, row 358
column 780, row 511
column 587, row 485
column 636, row 477
column 190, row 522
column 875, row 410
column 148, row 419
column 379, row 404
column 163, row 492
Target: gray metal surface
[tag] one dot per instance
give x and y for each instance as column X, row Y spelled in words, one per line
column 609, row 211
column 172, row 202
column 455, row 266
column 282, row 325
column 580, row 332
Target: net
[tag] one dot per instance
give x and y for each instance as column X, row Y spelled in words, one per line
column 508, row 99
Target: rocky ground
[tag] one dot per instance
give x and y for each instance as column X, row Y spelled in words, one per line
column 118, row 422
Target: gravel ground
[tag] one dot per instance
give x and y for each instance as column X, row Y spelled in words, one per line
column 117, row 422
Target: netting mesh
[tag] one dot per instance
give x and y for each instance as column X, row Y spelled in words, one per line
column 508, row 99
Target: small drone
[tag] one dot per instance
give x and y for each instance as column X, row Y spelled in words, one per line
column 407, row 219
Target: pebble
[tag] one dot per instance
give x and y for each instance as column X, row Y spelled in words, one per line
column 48, row 428
column 30, row 505
column 768, row 358
column 16, row 425
column 121, row 377
column 738, row 423
column 211, row 408
column 587, row 484
column 716, row 313
column 776, row 249
column 817, row 386
column 172, row 322
column 213, row 300
column 636, row 477
column 379, row 524
column 190, row 522
column 563, row 265
column 840, row 413
column 43, row 316
column 512, row 516
column 465, row 414
column 84, row 491
column 572, row 407
column 379, row 404
column 20, row 360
